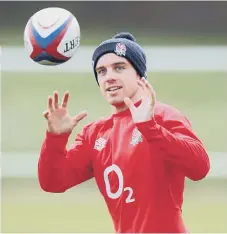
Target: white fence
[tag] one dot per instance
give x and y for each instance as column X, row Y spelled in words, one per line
column 25, row 164
column 197, row 58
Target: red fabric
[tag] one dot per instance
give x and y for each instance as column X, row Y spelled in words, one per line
column 141, row 177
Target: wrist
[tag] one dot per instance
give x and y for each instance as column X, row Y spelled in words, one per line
column 54, row 134
column 143, row 119
column 148, row 122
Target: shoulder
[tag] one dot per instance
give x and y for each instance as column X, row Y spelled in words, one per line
column 166, row 113
column 163, row 109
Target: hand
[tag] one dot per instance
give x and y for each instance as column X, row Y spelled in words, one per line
column 145, row 111
column 58, row 118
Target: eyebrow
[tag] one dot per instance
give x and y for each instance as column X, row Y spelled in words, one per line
column 113, row 64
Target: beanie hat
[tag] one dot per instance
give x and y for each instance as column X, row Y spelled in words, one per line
column 123, row 44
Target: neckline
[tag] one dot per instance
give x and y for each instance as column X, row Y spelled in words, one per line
column 125, row 112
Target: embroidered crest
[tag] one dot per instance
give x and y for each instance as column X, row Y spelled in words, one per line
column 120, row 49
column 136, row 137
column 100, row 144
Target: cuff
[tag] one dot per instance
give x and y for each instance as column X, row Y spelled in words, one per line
column 58, row 140
column 149, row 129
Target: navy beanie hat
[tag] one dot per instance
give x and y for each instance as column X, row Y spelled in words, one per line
column 123, row 44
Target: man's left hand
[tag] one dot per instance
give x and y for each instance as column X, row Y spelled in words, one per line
column 145, row 111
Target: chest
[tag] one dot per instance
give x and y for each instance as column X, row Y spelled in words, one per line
column 123, row 159
column 121, row 144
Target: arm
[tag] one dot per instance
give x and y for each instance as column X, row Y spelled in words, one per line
column 59, row 169
column 178, row 142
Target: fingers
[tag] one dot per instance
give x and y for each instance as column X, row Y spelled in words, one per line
column 50, row 104
column 142, row 84
column 128, row 102
column 149, row 90
column 55, row 99
column 65, row 99
column 79, row 117
column 45, row 114
column 153, row 95
column 53, row 102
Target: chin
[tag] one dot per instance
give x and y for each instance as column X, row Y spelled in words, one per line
column 116, row 102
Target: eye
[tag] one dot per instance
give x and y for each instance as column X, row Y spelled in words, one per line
column 101, row 71
column 119, row 68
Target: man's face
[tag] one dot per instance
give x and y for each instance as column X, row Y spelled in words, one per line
column 117, row 78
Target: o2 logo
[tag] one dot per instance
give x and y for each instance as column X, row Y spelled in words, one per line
column 121, row 188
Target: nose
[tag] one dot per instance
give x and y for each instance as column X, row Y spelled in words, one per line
column 110, row 81
column 110, row 76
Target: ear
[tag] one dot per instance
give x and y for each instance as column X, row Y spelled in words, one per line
column 138, row 77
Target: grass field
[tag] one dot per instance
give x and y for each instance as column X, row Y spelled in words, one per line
column 201, row 96
column 27, row 209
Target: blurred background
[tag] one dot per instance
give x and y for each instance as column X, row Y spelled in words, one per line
column 186, row 46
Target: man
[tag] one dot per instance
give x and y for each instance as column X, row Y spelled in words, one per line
column 139, row 156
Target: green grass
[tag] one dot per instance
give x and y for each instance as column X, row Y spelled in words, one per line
column 27, row 209
column 200, row 96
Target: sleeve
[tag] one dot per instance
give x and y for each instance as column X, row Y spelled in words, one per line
column 178, row 142
column 60, row 169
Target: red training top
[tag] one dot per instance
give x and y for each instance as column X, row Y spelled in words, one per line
column 140, row 169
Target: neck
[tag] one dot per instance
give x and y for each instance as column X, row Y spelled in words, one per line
column 121, row 106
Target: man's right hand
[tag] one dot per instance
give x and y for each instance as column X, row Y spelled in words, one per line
column 58, row 118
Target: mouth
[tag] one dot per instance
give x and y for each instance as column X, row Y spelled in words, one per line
column 113, row 88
